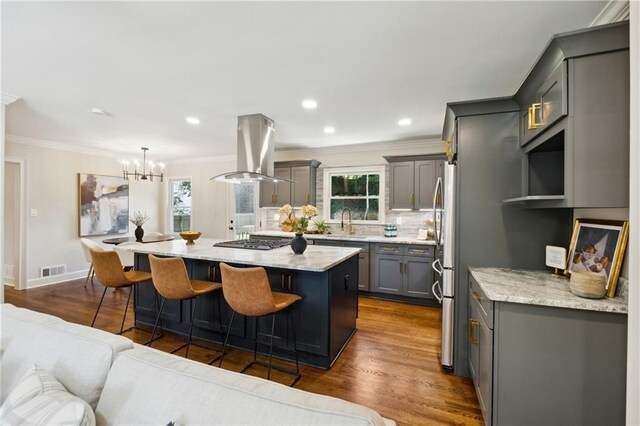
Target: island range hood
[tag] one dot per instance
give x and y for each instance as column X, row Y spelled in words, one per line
column 255, row 150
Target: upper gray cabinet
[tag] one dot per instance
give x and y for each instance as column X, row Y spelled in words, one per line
column 574, row 122
column 413, row 180
column 300, row 192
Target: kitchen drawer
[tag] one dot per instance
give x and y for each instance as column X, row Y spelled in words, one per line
column 331, row 243
column 389, row 248
column 417, row 250
column 484, row 304
column 354, row 244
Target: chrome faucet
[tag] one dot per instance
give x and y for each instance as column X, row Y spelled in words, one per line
column 350, row 229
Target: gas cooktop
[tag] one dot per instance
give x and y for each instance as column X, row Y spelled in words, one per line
column 253, row 244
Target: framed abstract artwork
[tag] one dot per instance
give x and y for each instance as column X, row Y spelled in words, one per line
column 103, row 205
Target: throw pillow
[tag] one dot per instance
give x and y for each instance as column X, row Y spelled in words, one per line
column 40, row 399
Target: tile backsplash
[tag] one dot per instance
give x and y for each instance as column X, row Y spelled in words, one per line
column 411, row 221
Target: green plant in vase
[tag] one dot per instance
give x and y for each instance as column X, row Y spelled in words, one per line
column 322, row 226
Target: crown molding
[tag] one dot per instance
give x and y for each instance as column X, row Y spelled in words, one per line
column 614, row 11
column 9, row 99
column 60, row 146
column 428, row 144
column 215, row 158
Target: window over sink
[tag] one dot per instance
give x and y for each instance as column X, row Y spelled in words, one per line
column 360, row 189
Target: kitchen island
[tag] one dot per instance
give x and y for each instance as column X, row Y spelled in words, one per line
column 325, row 277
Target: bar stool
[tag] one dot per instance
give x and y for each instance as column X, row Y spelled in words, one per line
column 171, row 280
column 247, row 291
column 87, row 245
column 108, row 269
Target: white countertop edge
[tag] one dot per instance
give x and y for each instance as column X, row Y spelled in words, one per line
column 615, row 305
column 283, row 258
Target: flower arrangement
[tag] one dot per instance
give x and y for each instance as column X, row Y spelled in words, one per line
column 139, row 218
column 297, row 225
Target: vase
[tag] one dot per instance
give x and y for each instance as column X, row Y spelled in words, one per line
column 298, row 244
column 139, row 234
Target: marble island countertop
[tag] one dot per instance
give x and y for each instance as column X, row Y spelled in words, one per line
column 315, row 258
column 540, row 288
column 355, row 238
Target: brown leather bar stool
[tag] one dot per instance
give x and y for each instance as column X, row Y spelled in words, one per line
column 172, row 282
column 248, row 292
column 108, row 269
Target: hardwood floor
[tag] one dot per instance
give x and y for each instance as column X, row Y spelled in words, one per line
column 391, row 364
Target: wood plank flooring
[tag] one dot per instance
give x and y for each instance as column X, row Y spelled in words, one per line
column 391, row 365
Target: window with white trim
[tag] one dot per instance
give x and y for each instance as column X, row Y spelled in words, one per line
column 360, row 189
column 179, row 205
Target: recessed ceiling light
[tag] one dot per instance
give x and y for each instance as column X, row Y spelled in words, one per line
column 309, row 104
column 98, row 111
column 193, row 120
column 404, row 121
column 329, row 130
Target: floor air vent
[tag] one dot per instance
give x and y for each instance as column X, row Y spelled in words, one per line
column 52, row 271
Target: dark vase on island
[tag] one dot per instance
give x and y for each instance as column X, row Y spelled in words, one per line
column 139, row 233
column 298, row 244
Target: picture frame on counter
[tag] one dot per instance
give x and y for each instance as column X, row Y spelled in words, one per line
column 598, row 246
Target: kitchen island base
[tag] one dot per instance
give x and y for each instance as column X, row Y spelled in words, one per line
column 325, row 317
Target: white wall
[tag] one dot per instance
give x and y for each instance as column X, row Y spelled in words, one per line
column 633, row 341
column 52, row 189
column 210, row 199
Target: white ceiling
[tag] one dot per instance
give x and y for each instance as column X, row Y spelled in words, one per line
column 368, row 64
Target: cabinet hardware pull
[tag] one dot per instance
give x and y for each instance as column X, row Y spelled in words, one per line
column 346, row 282
column 306, row 199
column 388, row 249
column 290, row 282
column 282, row 281
column 475, row 295
column 412, row 199
column 534, row 110
column 417, row 251
column 472, row 335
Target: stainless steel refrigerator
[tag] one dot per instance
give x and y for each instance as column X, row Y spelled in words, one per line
column 444, row 285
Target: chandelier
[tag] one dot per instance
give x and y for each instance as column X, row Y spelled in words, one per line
column 143, row 174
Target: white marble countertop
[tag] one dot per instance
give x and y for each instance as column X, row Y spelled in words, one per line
column 540, row 288
column 315, row 258
column 355, row 238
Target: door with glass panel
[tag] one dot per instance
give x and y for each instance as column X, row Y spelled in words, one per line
column 180, row 218
column 243, row 208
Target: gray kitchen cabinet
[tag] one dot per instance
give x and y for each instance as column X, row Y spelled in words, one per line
column 300, row 192
column 412, row 180
column 546, row 365
column 401, row 175
column 276, row 194
column 403, row 270
column 576, row 154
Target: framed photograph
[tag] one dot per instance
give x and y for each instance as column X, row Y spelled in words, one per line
column 103, row 205
column 598, row 246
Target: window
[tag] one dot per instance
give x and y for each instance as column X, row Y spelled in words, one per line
column 359, row 189
column 180, row 205
column 245, row 209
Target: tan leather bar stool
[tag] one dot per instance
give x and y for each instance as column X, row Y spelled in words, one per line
column 172, row 282
column 248, row 292
column 108, row 269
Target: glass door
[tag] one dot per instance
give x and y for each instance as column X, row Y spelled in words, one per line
column 243, row 208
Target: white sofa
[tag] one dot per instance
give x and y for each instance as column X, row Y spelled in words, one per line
column 128, row 384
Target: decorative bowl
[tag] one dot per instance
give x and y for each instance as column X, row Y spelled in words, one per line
column 588, row 285
column 190, row 236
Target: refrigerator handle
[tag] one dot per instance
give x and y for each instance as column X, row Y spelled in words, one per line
column 435, row 289
column 439, row 269
column 437, row 204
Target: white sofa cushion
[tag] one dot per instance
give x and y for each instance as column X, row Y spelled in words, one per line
column 78, row 356
column 150, row 387
column 39, row 399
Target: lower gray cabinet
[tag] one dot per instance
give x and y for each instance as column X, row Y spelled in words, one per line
column 404, row 270
column 363, row 259
column 544, row 365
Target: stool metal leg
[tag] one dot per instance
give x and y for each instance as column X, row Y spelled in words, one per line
column 99, row 304
column 273, row 329
column 194, row 305
column 153, row 333
column 88, row 276
column 226, row 339
column 124, row 317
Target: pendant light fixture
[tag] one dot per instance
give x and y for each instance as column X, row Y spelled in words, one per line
column 142, row 174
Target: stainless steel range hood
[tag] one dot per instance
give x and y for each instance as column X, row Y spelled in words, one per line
column 255, row 151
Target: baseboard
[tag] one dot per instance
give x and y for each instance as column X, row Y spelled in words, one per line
column 41, row 282
column 9, row 281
